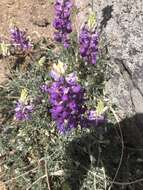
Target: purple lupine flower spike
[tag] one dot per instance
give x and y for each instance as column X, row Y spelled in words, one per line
column 88, row 41
column 62, row 22
column 19, row 39
column 23, row 111
column 67, row 100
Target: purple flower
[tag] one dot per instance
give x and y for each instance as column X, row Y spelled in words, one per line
column 19, row 39
column 88, row 41
column 62, row 22
column 54, row 75
column 44, row 88
column 71, row 78
column 95, row 119
column 67, row 101
column 23, row 111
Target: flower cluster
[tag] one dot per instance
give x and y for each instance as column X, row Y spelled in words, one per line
column 62, row 22
column 67, row 100
column 19, row 39
column 88, row 41
column 23, row 111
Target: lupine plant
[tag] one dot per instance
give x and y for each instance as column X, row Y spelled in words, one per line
column 56, row 104
column 62, row 22
column 19, row 39
column 88, row 41
column 23, row 111
column 67, row 100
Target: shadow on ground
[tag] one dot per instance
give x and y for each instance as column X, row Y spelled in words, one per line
column 107, row 153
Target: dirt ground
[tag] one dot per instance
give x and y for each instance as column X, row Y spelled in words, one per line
column 35, row 16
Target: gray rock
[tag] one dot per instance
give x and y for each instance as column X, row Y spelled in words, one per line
column 124, row 31
column 121, row 21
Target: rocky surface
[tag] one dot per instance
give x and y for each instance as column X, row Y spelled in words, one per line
column 124, row 32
